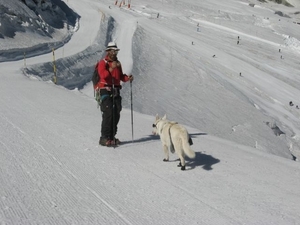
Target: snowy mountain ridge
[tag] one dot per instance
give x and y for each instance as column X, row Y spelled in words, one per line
column 34, row 27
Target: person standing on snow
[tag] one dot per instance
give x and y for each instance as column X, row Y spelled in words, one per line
column 111, row 74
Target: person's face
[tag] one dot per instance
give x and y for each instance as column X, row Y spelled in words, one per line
column 112, row 54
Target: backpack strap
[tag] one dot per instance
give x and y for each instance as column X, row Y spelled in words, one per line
column 106, row 64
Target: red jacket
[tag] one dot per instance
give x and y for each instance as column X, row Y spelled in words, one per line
column 107, row 79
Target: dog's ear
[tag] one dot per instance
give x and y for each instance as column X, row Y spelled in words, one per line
column 165, row 117
column 157, row 117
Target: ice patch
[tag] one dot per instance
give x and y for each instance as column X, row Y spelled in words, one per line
column 291, row 42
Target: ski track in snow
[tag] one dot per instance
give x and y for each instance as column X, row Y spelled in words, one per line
column 64, row 172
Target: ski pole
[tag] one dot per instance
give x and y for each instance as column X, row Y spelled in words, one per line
column 131, row 110
column 113, row 109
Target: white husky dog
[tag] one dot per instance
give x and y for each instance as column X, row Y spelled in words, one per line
column 174, row 137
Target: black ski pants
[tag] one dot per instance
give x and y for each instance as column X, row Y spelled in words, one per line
column 111, row 106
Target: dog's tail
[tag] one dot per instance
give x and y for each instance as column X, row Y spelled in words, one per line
column 186, row 147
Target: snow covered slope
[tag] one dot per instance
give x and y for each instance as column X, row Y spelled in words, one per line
column 54, row 172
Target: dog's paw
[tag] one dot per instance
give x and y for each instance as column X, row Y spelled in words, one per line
column 182, row 167
column 165, row 160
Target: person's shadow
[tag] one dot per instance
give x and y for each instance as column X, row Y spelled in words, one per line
column 143, row 139
column 154, row 137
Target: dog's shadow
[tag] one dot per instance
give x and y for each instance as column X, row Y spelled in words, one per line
column 201, row 159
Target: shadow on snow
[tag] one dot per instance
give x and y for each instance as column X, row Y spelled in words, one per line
column 201, row 159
